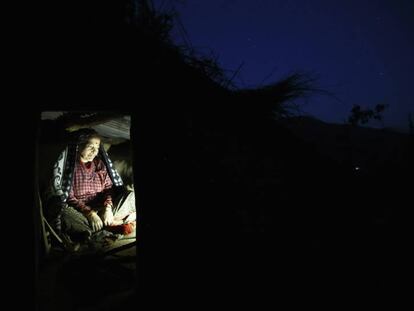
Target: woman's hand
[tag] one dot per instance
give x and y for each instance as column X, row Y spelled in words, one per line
column 95, row 221
column 107, row 216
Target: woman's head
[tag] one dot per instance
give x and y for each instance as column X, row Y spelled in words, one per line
column 88, row 142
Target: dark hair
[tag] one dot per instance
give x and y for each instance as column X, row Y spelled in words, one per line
column 85, row 134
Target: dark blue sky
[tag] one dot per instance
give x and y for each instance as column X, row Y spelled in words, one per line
column 362, row 51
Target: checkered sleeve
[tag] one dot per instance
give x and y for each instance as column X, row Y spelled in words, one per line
column 107, row 187
column 78, row 204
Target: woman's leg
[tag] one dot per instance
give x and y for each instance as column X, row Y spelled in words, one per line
column 74, row 222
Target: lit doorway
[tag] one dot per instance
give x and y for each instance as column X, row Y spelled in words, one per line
column 86, row 211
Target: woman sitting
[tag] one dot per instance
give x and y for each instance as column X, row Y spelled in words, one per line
column 87, row 193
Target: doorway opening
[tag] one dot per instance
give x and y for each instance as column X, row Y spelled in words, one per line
column 85, row 214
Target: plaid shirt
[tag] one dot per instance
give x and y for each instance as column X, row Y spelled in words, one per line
column 91, row 186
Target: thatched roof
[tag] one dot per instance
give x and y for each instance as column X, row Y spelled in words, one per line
column 106, row 124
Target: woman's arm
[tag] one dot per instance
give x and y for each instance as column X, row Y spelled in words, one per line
column 107, row 186
column 78, row 204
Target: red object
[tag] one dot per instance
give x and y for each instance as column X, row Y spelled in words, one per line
column 122, row 229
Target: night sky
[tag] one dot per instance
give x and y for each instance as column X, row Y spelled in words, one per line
column 361, row 51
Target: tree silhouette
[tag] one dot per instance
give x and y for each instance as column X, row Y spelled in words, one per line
column 363, row 116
